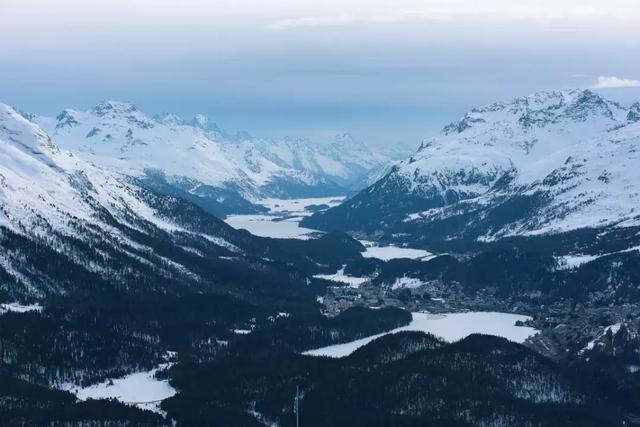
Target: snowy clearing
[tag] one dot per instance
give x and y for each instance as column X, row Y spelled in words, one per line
column 406, row 282
column 16, row 307
column 141, row 389
column 450, row 327
column 339, row 276
column 569, row 262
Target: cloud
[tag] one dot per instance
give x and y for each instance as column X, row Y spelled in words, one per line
column 315, row 21
column 610, row 82
column 380, row 12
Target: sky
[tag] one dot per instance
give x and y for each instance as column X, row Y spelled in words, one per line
column 386, row 71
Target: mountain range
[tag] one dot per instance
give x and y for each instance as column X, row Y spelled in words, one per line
column 195, row 159
column 115, row 259
column 63, row 217
column 547, row 164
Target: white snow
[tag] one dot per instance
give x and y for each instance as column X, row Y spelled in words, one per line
column 16, row 307
column 119, row 136
column 141, row 389
column 387, row 253
column 450, row 327
column 573, row 145
column 632, row 369
column 614, row 330
column 339, row 276
column 406, row 282
column 569, row 262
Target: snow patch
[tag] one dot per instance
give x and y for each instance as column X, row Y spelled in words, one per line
column 16, row 307
column 569, row 262
column 339, row 276
column 406, row 282
column 594, row 342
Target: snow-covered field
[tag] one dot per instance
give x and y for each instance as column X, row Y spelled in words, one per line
column 569, row 262
column 339, row 276
column 283, row 219
column 16, row 307
column 407, row 282
column 141, row 389
column 450, row 327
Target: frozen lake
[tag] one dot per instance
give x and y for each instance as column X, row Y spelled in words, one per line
column 141, row 389
column 386, row 253
column 283, row 219
column 449, row 326
column 283, row 222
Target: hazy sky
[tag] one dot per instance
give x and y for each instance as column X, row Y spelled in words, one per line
column 384, row 70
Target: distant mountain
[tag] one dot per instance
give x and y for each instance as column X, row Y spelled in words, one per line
column 195, row 159
column 548, row 163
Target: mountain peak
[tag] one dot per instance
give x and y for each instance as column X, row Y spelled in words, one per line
column 124, row 112
column 68, row 118
column 169, row 119
column 586, row 103
column 203, row 122
column 634, row 113
column 541, row 109
column 113, row 107
column 200, row 120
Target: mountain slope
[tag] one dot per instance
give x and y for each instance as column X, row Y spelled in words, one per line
column 405, row 379
column 547, row 163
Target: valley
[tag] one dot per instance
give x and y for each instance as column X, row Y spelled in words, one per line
column 346, row 213
column 115, row 256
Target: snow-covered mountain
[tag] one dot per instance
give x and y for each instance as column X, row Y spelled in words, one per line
column 550, row 162
column 199, row 159
column 67, row 225
column 57, row 206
